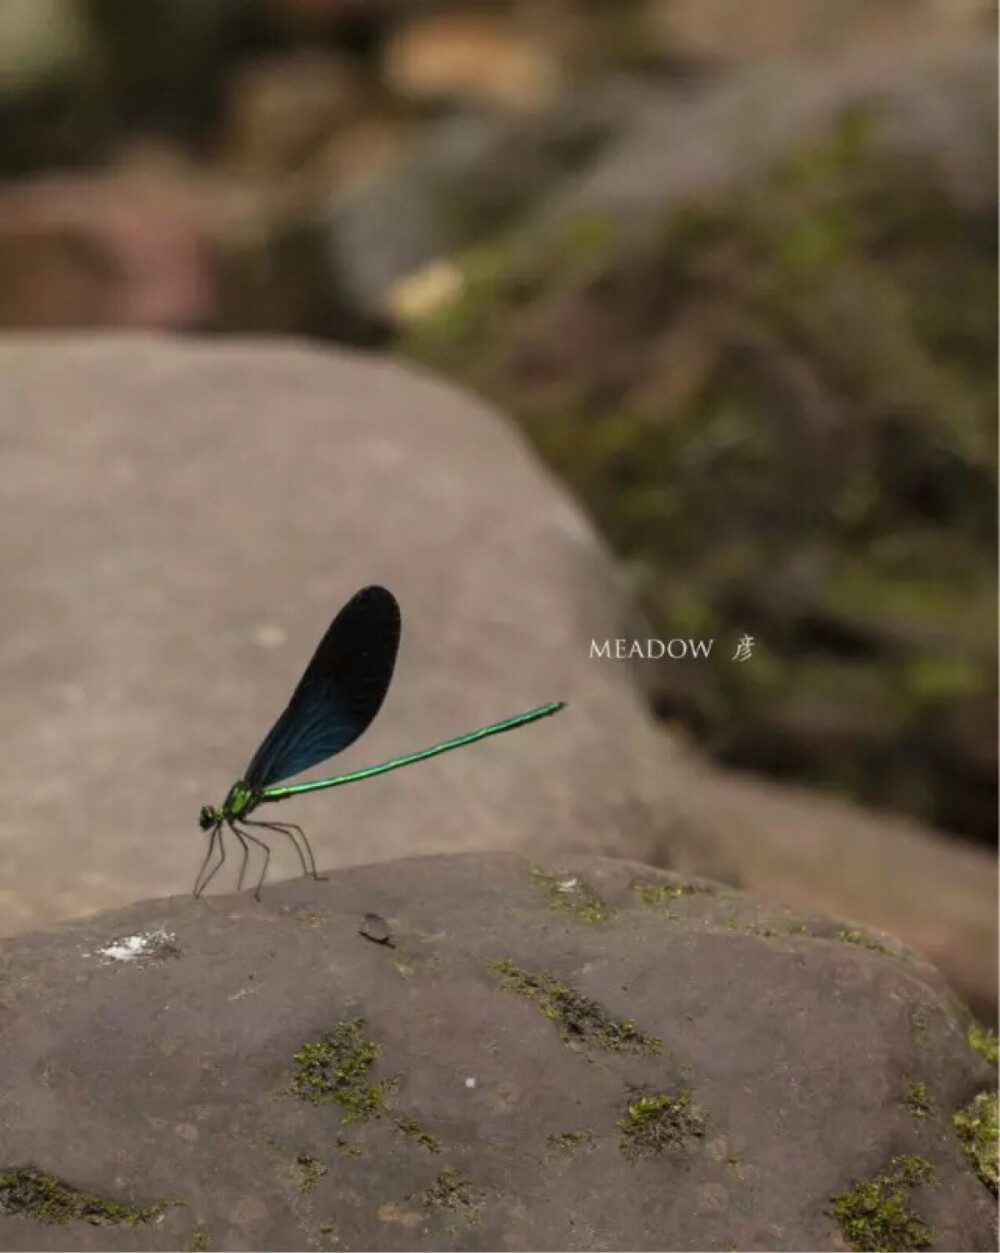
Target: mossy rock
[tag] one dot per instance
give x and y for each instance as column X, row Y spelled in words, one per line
column 779, row 405
column 696, row 1070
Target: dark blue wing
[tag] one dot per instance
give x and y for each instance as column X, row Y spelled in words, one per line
column 340, row 693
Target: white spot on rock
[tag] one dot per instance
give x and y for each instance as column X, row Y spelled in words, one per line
column 133, row 947
column 241, row 993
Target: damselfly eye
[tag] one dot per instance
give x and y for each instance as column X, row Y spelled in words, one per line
column 207, row 817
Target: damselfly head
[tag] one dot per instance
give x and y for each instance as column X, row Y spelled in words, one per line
column 208, row 817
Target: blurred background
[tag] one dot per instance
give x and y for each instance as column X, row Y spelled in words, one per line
column 730, row 266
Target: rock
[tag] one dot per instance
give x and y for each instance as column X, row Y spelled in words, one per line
column 357, row 154
column 585, row 1054
column 88, row 251
column 764, row 396
column 282, row 110
column 814, row 852
column 229, row 208
column 468, row 175
column 180, row 523
column 934, row 97
column 729, row 32
column 157, row 624
column 214, row 506
column 281, row 279
column 601, row 325
column 471, row 57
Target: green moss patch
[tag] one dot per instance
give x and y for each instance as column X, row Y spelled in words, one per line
column 583, row 1023
column 410, row 1128
column 976, row 1126
column 661, row 894
column 850, row 935
column 916, row 1099
column 336, row 1068
column 31, row 1193
column 984, row 1041
column 568, row 894
column 877, row 1214
column 776, row 933
column 773, row 929
column 197, row 1241
column 452, row 1190
column 569, row 1143
column 659, row 1121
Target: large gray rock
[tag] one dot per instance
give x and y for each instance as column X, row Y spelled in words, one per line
column 587, row 1055
column 170, row 512
column 731, row 33
column 178, row 524
column 930, row 95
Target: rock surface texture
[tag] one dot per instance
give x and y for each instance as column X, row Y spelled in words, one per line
column 180, row 524
column 581, row 1054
